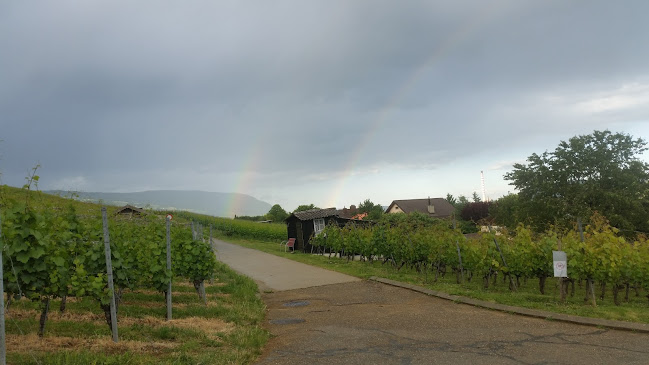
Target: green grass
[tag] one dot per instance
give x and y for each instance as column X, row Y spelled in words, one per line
column 527, row 296
column 233, row 300
column 78, row 358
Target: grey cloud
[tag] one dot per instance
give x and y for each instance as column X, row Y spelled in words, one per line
column 122, row 88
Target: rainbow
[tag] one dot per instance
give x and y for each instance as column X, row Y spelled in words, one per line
column 462, row 33
column 244, row 179
column 251, row 161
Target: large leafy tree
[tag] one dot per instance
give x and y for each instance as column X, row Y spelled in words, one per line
column 276, row 213
column 599, row 172
column 304, row 207
column 505, row 211
column 475, row 212
column 461, row 202
column 374, row 211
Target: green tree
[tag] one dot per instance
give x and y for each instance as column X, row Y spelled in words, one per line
column 596, row 172
column 476, row 198
column 451, row 199
column 276, row 213
column 475, row 212
column 374, row 211
column 462, row 200
column 303, row 207
column 506, row 211
column 460, row 203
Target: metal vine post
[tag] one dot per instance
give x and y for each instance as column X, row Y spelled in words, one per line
column 502, row 257
column 109, row 273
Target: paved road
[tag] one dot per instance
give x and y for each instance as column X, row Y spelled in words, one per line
column 364, row 322
column 273, row 273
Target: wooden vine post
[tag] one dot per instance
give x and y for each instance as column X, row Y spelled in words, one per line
column 3, row 348
column 109, row 274
column 562, row 282
column 211, row 246
column 212, row 251
column 169, row 265
column 589, row 281
column 459, row 254
column 201, row 286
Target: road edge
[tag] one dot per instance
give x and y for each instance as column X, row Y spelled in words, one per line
column 550, row 316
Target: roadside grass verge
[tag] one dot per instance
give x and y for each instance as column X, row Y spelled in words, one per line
column 527, row 296
column 228, row 330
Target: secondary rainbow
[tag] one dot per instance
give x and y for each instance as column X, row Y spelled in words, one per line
column 455, row 39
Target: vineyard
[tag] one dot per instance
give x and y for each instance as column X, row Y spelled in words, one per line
column 239, row 228
column 603, row 262
column 602, row 258
column 52, row 254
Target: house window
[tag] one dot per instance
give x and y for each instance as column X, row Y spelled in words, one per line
column 318, row 225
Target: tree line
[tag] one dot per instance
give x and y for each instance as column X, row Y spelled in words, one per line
column 278, row 214
column 602, row 172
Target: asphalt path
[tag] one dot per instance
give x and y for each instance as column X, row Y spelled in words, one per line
column 274, row 273
column 366, row 322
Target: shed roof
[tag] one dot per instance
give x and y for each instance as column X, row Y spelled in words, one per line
column 128, row 207
column 315, row 213
column 442, row 207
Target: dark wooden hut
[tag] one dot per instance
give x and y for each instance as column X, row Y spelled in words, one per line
column 306, row 224
column 129, row 211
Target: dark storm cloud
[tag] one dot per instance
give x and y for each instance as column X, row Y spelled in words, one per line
column 110, row 88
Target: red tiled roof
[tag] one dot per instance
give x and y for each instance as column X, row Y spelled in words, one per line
column 360, row 216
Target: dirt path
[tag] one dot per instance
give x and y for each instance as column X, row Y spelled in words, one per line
column 364, row 322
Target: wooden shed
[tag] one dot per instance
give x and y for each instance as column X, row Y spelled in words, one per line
column 129, row 211
column 303, row 225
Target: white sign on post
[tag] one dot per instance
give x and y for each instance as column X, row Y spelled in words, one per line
column 560, row 264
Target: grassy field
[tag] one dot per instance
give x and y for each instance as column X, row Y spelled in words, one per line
column 225, row 331
column 528, row 296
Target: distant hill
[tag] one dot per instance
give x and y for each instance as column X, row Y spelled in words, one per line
column 216, row 204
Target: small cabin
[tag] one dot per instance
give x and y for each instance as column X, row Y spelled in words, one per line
column 306, row 224
column 129, row 211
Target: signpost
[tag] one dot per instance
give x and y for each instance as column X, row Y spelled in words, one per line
column 560, row 261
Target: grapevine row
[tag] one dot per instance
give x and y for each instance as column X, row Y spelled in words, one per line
column 603, row 256
column 51, row 253
column 240, row 228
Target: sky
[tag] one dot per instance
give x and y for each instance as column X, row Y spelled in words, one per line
column 298, row 102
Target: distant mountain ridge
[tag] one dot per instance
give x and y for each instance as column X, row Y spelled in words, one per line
column 212, row 203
